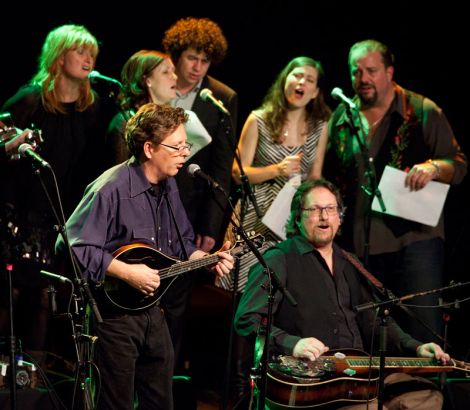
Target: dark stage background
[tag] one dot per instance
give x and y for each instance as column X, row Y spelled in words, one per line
column 430, row 45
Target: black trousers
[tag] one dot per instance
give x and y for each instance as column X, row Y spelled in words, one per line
column 134, row 355
column 176, row 302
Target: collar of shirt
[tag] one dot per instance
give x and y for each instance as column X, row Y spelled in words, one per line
column 398, row 103
column 138, row 182
column 186, row 101
column 304, row 247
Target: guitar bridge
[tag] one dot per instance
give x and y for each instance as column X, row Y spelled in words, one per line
column 304, row 368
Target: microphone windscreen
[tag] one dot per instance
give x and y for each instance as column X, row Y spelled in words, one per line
column 336, row 92
column 193, row 168
column 94, row 74
column 23, row 148
column 205, row 94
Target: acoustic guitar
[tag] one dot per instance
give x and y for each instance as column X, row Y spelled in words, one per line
column 123, row 296
column 346, row 377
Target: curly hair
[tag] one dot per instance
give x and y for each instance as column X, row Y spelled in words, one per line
column 274, row 106
column 153, row 122
column 140, row 65
column 202, row 34
column 298, row 201
column 58, row 42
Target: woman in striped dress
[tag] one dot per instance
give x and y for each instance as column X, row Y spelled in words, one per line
column 285, row 137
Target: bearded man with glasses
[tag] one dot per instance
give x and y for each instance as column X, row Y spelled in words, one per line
column 327, row 283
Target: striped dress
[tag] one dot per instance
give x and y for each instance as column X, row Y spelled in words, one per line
column 267, row 153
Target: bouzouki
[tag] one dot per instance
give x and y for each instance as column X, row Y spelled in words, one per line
column 9, row 131
column 123, row 296
column 344, row 378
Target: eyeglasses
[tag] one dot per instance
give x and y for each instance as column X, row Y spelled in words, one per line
column 331, row 210
column 179, row 148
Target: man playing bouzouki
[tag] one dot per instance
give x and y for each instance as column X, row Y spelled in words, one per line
column 137, row 202
column 326, row 286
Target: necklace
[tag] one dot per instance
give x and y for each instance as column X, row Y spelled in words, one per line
column 372, row 128
column 375, row 123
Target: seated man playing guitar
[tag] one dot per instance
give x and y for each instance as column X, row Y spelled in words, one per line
column 327, row 286
column 137, row 202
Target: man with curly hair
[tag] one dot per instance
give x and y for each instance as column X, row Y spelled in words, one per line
column 194, row 44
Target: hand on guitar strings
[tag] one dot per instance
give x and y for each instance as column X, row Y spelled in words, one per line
column 310, row 348
column 144, row 279
column 225, row 263
column 139, row 275
column 432, row 350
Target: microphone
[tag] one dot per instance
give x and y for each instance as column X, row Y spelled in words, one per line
column 96, row 74
column 26, row 150
column 61, row 278
column 52, row 299
column 338, row 94
column 207, row 96
column 90, row 338
column 194, row 170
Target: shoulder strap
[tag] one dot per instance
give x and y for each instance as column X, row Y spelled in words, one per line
column 360, row 267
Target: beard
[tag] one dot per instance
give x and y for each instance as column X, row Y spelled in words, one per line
column 321, row 237
column 368, row 100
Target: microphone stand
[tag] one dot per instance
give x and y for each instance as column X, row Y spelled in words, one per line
column 12, row 339
column 273, row 285
column 81, row 378
column 246, row 192
column 372, row 187
column 383, row 308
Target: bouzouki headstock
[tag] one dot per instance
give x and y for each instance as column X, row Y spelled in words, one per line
column 8, row 131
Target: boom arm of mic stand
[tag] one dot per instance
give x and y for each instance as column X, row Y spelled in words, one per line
column 393, row 300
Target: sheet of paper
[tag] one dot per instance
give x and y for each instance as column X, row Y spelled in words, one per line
column 423, row 206
column 197, row 133
column 279, row 211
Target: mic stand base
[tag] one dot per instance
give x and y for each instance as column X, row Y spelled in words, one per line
column 12, row 340
column 383, row 313
column 228, row 363
column 83, row 350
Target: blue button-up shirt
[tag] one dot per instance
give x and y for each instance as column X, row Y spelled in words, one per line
column 120, row 208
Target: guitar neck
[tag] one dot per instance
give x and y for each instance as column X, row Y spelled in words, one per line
column 399, row 364
column 186, row 266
